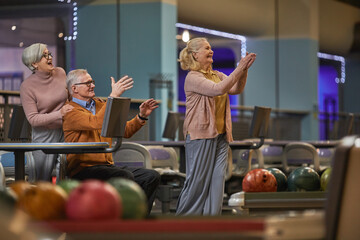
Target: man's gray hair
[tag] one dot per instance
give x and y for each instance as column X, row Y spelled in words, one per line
column 33, row 54
column 73, row 77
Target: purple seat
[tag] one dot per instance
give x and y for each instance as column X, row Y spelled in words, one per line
column 132, row 155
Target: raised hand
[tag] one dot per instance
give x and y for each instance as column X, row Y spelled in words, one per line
column 119, row 87
column 147, row 107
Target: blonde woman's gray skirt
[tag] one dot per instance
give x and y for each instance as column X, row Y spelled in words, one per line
column 206, row 164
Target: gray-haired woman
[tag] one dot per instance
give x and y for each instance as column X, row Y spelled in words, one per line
column 43, row 96
column 207, row 127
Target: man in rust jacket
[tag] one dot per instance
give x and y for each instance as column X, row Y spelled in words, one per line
column 84, row 123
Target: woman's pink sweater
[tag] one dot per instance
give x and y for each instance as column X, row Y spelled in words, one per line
column 42, row 96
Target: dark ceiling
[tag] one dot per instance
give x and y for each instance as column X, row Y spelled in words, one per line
column 36, row 2
column 26, row 2
column 35, row 21
column 38, row 8
column 355, row 3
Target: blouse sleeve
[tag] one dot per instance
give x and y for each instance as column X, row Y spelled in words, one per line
column 196, row 82
column 36, row 119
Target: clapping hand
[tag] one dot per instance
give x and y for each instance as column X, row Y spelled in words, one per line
column 246, row 62
column 119, row 87
column 147, row 107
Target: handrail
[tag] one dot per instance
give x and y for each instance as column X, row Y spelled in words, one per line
column 52, row 148
column 286, row 111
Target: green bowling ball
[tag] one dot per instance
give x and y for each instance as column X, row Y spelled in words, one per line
column 303, row 179
column 281, row 178
column 134, row 200
column 68, row 184
column 325, row 178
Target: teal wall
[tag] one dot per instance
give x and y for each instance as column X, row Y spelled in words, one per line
column 147, row 48
column 297, row 78
column 140, row 44
column 96, row 45
column 260, row 85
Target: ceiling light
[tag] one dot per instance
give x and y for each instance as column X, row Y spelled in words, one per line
column 186, row 36
column 13, row 27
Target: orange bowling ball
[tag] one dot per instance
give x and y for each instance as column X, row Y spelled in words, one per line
column 20, row 186
column 259, row 180
column 45, row 201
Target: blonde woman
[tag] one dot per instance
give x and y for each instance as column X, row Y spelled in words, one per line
column 207, row 127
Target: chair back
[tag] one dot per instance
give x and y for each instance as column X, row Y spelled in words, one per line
column 115, row 118
column 259, row 125
column 19, row 128
column 163, row 157
column 132, row 155
column 297, row 154
column 171, row 125
column 342, row 127
column 260, row 122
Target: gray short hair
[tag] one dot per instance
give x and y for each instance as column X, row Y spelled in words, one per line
column 33, row 54
column 186, row 58
column 73, row 77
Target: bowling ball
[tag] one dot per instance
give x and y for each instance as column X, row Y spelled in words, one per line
column 68, row 184
column 281, row 178
column 134, row 201
column 325, row 178
column 259, row 180
column 44, row 201
column 20, row 186
column 303, row 179
column 94, row 200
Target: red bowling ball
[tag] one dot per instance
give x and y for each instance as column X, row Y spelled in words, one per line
column 94, row 200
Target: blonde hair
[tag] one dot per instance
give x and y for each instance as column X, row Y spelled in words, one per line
column 33, row 54
column 186, row 58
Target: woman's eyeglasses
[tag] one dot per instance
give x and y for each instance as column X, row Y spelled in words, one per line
column 47, row 55
column 88, row 83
